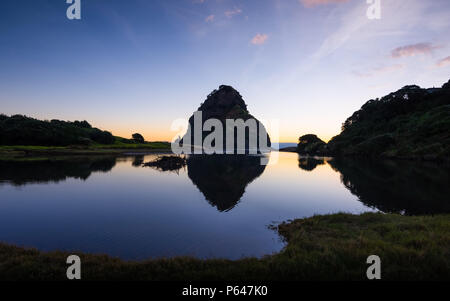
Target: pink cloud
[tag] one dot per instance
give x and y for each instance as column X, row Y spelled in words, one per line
column 443, row 62
column 259, row 39
column 209, row 18
column 312, row 3
column 232, row 12
column 413, row 50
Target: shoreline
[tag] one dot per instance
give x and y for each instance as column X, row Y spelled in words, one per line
column 325, row 247
column 32, row 152
column 24, row 152
column 426, row 158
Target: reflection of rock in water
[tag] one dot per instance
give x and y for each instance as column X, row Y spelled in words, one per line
column 407, row 187
column 309, row 163
column 223, row 178
column 53, row 170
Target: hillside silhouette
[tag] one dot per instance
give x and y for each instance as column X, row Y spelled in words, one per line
column 410, row 123
column 23, row 130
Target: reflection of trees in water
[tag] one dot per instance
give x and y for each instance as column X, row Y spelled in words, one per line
column 223, row 178
column 309, row 163
column 138, row 161
column 53, row 170
column 407, row 187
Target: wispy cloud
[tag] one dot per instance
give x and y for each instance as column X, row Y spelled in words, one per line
column 232, row 12
column 413, row 50
column 399, row 17
column 351, row 24
column 259, row 39
column 444, row 62
column 209, row 18
column 198, row 1
column 379, row 70
column 312, row 3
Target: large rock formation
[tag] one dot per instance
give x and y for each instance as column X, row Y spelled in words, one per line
column 226, row 104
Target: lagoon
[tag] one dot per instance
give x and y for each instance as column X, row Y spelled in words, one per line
column 217, row 206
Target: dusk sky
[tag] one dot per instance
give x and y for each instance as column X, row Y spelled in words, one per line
column 135, row 66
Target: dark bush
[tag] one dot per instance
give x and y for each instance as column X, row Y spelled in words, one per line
column 82, row 124
column 310, row 144
column 138, row 138
column 22, row 130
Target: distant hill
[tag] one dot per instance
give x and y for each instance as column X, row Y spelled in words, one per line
column 283, row 145
column 23, row 130
column 410, row 123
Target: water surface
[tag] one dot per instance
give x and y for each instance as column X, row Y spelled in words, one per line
column 215, row 207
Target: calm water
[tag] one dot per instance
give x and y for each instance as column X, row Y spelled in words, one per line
column 215, row 207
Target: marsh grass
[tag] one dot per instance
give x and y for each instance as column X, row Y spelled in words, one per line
column 328, row 247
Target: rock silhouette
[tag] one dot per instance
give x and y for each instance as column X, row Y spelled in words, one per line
column 167, row 163
column 222, row 104
column 310, row 144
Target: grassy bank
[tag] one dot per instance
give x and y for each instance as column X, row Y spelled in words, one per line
column 22, row 136
column 119, row 147
column 330, row 247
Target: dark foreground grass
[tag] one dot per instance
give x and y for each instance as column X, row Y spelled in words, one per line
column 330, row 247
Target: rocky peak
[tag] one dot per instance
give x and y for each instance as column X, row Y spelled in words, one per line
column 223, row 100
column 224, row 104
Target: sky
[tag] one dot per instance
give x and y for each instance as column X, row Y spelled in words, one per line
column 136, row 66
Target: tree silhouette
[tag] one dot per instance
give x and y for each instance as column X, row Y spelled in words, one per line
column 138, row 138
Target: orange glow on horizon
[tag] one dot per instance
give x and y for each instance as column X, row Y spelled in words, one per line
column 167, row 135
